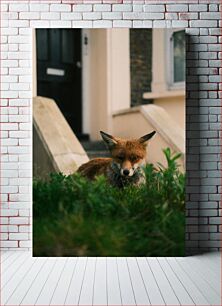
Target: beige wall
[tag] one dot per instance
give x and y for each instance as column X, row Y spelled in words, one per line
column 175, row 107
column 169, row 97
column 109, row 70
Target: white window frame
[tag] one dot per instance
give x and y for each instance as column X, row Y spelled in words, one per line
column 169, row 60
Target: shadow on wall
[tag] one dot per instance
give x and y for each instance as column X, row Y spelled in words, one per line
column 193, row 171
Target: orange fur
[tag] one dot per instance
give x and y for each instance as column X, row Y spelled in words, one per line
column 127, row 156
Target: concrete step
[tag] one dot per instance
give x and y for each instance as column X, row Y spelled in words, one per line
column 95, row 149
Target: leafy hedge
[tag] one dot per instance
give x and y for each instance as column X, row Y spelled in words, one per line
column 77, row 217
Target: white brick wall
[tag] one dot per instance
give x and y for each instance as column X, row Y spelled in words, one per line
column 202, row 20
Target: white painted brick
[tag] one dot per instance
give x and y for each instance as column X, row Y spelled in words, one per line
column 24, row 126
column 25, row 31
column 39, row 23
column 154, row 8
column 18, row 236
column 71, row 16
column 207, row 55
column 137, row 15
column 18, row 23
column 61, row 24
column 137, row 23
column 162, row 24
column 25, row 94
column 19, row 39
column 82, row 24
column 19, row 55
column 82, row 8
column 122, row 23
column 216, row 31
column 122, row 8
column 197, row 7
column 39, row 7
column 19, row 118
column 208, row 15
column 20, row 71
column 9, row 63
column 19, row 7
column 9, row 212
column 29, row 15
column 4, row 71
column 4, row 86
column 25, row 244
column 173, row 16
column 102, row 24
column 4, row 134
column 188, row 16
column 208, row 39
column 4, row 47
column 214, row 47
column 9, row 94
column 50, row 16
column 179, row 23
column 9, row 173
column 18, row 150
column 9, row 142
column 13, row 47
column 19, row 86
column 9, row 126
column 8, row 228
column 137, row 7
column 60, row 8
column 25, row 173
column 213, row 7
column 177, row 8
column 4, row 102
column 112, row 15
column 4, row 39
column 147, row 23
column 203, row 23
column 92, row 16
column 25, row 79
column 4, row 7
column 19, row 102
column 24, row 212
column 3, row 220
column 215, row 63
column 24, row 229
column 102, row 7
column 9, row 31
column 13, row 158
column 9, row 244
column 4, row 236
column 20, row 181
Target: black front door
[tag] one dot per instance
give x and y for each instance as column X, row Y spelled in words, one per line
column 59, row 71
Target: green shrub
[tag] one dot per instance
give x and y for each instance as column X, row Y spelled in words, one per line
column 77, row 217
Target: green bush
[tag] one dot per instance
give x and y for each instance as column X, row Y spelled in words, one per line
column 77, row 217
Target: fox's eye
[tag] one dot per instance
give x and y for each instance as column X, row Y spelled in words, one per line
column 134, row 157
column 120, row 157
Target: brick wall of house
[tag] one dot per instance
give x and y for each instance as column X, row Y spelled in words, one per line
column 202, row 20
column 140, row 64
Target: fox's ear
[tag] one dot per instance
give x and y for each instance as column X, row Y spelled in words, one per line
column 147, row 137
column 109, row 139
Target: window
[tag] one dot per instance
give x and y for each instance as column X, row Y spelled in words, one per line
column 176, row 59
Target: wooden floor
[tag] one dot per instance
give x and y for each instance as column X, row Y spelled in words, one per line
column 110, row 281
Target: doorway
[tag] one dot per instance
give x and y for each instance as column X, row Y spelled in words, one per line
column 59, row 72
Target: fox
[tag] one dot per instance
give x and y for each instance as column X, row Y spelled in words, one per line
column 125, row 166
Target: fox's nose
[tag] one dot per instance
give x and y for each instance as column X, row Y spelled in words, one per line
column 126, row 172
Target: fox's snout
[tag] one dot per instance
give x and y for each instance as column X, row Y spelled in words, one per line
column 127, row 169
column 127, row 154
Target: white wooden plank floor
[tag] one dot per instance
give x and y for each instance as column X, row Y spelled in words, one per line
column 193, row 280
